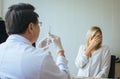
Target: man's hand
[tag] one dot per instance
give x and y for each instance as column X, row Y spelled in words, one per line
column 44, row 43
column 56, row 40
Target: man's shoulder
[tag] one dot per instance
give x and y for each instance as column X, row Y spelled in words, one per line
column 39, row 51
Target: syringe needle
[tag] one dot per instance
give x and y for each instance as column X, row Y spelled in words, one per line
column 49, row 30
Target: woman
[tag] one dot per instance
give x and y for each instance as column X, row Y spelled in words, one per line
column 93, row 59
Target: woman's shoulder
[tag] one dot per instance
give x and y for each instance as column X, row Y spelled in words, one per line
column 106, row 47
column 106, row 50
column 82, row 46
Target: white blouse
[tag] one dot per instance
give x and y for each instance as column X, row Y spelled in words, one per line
column 97, row 65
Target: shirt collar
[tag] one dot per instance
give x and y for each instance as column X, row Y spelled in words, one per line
column 19, row 38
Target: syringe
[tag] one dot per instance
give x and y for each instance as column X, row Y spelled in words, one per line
column 48, row 35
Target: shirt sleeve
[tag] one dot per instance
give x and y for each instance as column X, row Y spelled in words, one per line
column 52, row 71
column 105, row 63
column 62, row 64
column 81, row 59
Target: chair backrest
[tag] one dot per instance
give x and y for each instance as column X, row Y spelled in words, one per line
column 3, row 34
column 112, row 67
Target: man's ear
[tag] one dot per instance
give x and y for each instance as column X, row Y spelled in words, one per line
column 31, row 28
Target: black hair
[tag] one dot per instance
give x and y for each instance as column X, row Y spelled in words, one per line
column 18, row 18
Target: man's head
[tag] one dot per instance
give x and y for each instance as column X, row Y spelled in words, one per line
column 21, row 19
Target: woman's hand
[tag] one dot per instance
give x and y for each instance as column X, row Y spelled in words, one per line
column 93, row 43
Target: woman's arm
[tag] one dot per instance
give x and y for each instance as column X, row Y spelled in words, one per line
column 81, row 59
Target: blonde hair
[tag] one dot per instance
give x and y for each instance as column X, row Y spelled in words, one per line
column 91, row 32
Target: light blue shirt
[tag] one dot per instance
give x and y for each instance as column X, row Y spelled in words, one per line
column 20, row 60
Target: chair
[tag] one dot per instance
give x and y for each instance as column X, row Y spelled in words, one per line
column 112, row 67
column 3, row 34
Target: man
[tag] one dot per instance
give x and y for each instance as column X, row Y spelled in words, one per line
column 18, row 58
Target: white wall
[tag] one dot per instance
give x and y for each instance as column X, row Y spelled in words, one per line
column 0, row 8
column 70, row 19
